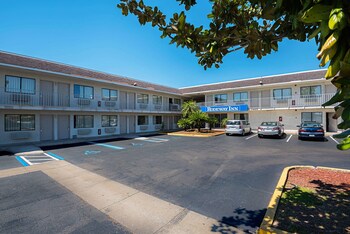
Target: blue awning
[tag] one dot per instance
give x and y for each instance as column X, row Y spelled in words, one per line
column 236, row 108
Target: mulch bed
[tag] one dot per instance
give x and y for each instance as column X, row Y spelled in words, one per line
column 315, row 201
column 202, row 133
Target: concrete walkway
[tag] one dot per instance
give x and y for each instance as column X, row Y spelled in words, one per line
column 135, row 210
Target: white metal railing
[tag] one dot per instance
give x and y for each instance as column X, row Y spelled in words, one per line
column 57, row 100
column 33, row 99
column 296, row 101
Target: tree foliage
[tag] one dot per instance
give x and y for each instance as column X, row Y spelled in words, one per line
column 198, row 119
column 212, row 121
column 188, row 108
column 185, row 123
column 257, row 26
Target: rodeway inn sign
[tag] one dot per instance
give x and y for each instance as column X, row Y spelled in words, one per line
column 224, row 108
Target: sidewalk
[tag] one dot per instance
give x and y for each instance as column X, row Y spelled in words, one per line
column 34, row 147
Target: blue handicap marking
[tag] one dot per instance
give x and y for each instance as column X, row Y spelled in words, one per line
column 137, row 144
column 90, row 152
column 55, row 156
column 24, row 163
column 107, row 145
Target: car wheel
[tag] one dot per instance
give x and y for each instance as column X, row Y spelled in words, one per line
column 260, row 136
column 227, row 134
column 299, row 138
column 281, row 135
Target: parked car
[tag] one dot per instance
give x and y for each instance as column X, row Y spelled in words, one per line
column 241, row 127
column 310, row 130
column 270, row 129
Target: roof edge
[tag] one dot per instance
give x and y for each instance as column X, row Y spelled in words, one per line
column 87, row 78
column 83, row 68
column 253, row 78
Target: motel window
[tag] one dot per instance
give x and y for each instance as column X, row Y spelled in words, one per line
column 83, row 121
column 109, row 95
column 280, row 94
column 177, row 101
column 220, row 98
column 142, row 98
column 19, row 123
column 14, row 84
column 242, row 116
column 109, row 121
column 240, row 97
column 142, row 120
column 157, row 120
column 311, row 117
column 85, row 92
column 157, row 100
column 310, row 91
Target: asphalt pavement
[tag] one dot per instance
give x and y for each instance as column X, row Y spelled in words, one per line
column 228, row 178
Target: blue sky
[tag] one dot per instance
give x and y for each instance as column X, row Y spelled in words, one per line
column 94, row 34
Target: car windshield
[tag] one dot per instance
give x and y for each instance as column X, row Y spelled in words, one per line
column 311, row 125
column 269, row 124
column 233, row 123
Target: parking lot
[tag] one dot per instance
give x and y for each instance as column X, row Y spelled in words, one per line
column 228, row 178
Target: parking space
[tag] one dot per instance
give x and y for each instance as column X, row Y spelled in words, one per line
column 228, row 178
column 291, row 139
column 113, row 147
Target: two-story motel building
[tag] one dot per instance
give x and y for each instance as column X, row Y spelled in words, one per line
column 42, row 100
column 290, row 98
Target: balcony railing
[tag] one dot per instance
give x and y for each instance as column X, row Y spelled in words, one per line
column 296, row 101
column 63, row 101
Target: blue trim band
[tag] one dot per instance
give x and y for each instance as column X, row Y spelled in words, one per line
column 55, row 156
column 19, row 159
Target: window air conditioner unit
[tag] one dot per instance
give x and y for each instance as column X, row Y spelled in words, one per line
column 280, row 101
column 143, row 106
column 84, row 102
column 110, row 104
column 174, row 107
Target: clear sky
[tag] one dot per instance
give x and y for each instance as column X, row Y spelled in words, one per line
column 94, row 34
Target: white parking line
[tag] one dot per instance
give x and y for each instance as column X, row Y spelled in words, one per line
column 289, row 138
column 24, row 159
column 251, row 136
column 154, row 140
column 334, row 140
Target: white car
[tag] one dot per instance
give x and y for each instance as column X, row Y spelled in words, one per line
column 274, row 128
column 241, row 127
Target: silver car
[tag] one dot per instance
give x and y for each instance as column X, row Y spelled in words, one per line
column 270, row 129
column 241, row 127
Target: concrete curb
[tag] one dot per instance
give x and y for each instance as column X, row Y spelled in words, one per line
column 195, row 135
column 266, row 225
